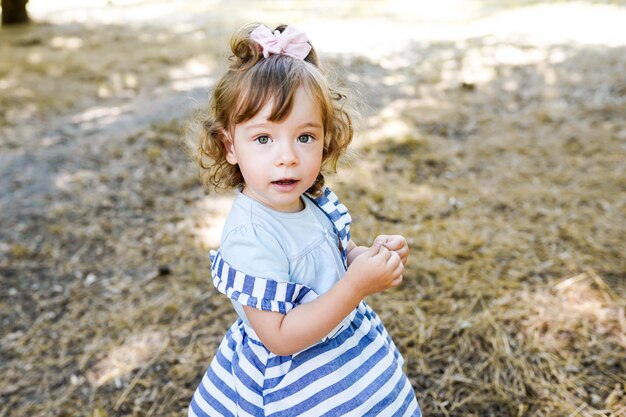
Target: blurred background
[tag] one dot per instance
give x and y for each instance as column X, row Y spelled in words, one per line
column 492, row 135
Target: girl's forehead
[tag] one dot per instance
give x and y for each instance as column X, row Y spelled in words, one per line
column 274, row 107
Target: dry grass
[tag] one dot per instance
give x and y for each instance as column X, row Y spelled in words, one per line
column 511, row 190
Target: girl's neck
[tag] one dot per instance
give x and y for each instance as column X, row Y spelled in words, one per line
column 296, row 209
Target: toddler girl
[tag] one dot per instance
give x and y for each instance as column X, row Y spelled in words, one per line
column 305, row 343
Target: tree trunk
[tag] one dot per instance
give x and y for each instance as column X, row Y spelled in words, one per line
column 14, row 11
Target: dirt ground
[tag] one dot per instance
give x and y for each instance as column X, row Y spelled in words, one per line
column 493, row 136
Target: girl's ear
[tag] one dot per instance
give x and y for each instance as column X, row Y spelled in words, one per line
column 229, row 146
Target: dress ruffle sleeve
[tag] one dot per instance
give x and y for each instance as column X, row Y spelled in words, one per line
column 264, row 294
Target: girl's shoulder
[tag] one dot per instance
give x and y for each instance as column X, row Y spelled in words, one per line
column 267, row 240
column 251, row 241
column 249, row 217
column 248, row 223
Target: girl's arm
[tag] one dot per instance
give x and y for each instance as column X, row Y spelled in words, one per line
column 375, row 269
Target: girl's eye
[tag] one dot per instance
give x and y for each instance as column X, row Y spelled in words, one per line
column 305, row 139
column 263, row 140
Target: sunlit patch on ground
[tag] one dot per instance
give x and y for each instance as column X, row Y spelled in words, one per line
column 576, row 308
column 211, row 215
column 120, row 361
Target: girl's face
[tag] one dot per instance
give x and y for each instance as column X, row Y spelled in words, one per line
column 279, row 161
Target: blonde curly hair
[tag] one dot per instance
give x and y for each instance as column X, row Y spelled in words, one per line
column 250, row 82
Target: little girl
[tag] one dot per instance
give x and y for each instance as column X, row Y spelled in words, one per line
column 305, row 343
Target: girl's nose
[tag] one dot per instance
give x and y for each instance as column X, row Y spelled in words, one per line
column 286, row 154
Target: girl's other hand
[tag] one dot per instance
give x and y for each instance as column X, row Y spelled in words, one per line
column 375, row 270
column 396, row 243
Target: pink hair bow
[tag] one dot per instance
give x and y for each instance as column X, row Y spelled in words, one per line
column 291, row 42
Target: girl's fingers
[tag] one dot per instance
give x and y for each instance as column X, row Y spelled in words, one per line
column 381, row 240
column 393, row 260
column 397, row 273
column 404, row 255
column 399, row 269
column 396, row 240
column 373, row 250
column 393, row 243
column 384, row 253
column 398, row 243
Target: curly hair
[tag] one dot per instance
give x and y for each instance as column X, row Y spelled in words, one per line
column 250, row 82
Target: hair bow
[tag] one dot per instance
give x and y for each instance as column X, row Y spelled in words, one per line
column 291, row 42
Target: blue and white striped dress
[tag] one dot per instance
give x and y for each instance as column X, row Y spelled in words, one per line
column 355, row 371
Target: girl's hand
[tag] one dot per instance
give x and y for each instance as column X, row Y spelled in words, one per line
column 375, row 270
column 396, row 243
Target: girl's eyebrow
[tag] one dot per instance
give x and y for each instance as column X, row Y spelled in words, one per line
column 257, row 125
column 311, row 124
column 266, row 124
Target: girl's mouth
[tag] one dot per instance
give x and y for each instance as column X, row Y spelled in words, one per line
column 285, row 185
column 285, row 182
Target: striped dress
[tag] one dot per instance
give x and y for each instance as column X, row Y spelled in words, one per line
column 356, row 370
